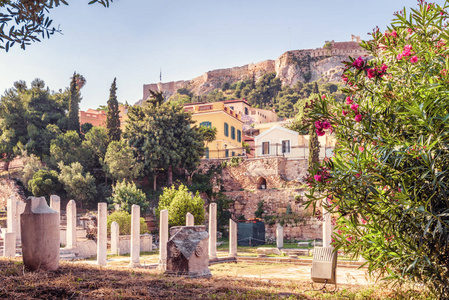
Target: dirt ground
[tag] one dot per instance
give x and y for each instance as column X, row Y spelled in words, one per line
column 86, row 281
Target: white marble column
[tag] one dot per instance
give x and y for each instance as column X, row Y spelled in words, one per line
column 115, row 237
column 9, row 245
column 232, row 238
column 135, row 236
column 327, row 226
column 212, row 230
column 20, row 208
column 190, row 220
column 163, row 239
column 11, row 222
column 55, row 203
column 102, row 232
column 280, row 237
column 71, row 224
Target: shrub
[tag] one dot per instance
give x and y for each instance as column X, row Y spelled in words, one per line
column 179, row 202
column 388, row 181
column 78, row 185
column 44, row 183
column 126, row 194
column 123, row 220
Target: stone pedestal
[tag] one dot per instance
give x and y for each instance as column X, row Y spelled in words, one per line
column 280, row 237
column 40, row 235
column 232, row 238
column 212, row 230
column 135, row 236
column 102, row 231
column 190, row 220
column 71, row 224
column 115, row 237
column 163, row 239
column 9, row 245
column 55, row 203
column 187, row 253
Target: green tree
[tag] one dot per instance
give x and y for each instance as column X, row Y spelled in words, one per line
column 119, row 161
column 24, row 22
column 67, row 148
column 74, row 107
column 112, row 117
column 86, row 127
column 266, row 90
column 126, row 194
column 388, row 181
column 31, row 164
column 161, row 138
column 78, row 184
column 123, row 220
column 95, row 144
column 44, row 183
column 178, row 202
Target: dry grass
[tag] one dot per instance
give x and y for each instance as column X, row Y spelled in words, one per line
column 75, row 281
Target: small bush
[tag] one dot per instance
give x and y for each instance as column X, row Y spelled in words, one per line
column 123, row 219
column 126, row 194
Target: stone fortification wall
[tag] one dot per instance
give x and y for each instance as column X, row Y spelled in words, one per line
column 292, row 66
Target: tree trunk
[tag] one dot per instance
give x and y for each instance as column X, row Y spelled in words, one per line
column 170, row 176
column 154, row 182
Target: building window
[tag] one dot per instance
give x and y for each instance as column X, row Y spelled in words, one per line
column 206, row 124
column 206, row 153
column 246, row 111
column 226, row 153
column 261, row 183
column 286, row 146
column 232, row 107
column 226, row 129
column 265, row 148
column 232, row 153
column 233, row 132
column 239, row 136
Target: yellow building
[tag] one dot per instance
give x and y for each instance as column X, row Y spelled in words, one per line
column 228, row 141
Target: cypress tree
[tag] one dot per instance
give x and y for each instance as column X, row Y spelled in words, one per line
column 73, row 122
column 314, row 144
column 112, row 118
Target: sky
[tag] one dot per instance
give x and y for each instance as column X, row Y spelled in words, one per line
column 133, row 40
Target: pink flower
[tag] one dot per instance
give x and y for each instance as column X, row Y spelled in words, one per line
column 357, row 175
column 318, row 125
column 410, row 30
column 384, row 68
column 408, row 47
column 320, row 132
column 339, row 231
column 394, row 34
column 363, row 221
column 326, row 125
column 358, row 63
column 344, row 113
column 358, row 118
column 371, row 73
column 399, row 57
column 348, row 100
column 323, row 97
column 361, row 149
column 355, row 107
column 414, row 59
column 317, row 178
column 349, row 238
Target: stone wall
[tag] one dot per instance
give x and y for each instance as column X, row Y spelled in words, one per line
column 283, row 196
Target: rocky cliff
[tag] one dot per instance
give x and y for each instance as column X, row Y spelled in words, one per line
column 292, row 66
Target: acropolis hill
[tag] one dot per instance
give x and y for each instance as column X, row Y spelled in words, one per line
column 303, row 65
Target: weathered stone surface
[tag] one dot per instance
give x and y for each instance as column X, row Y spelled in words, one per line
column 20, row 208
column 190, row 220
column 71, row 224
column 135, row 236
column 187, row 252
column 11, row 221
column 280, row 237
column 232, row 238
column 212, row 230
column 55, row 203
column 124, row 246
column 266, row 251
column 163, row 239
column 9, row 245
column 115, row 233
column 102, row 231
column 40, row 235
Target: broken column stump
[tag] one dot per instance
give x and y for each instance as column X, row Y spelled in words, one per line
column 40, row 235
column 187, row 252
